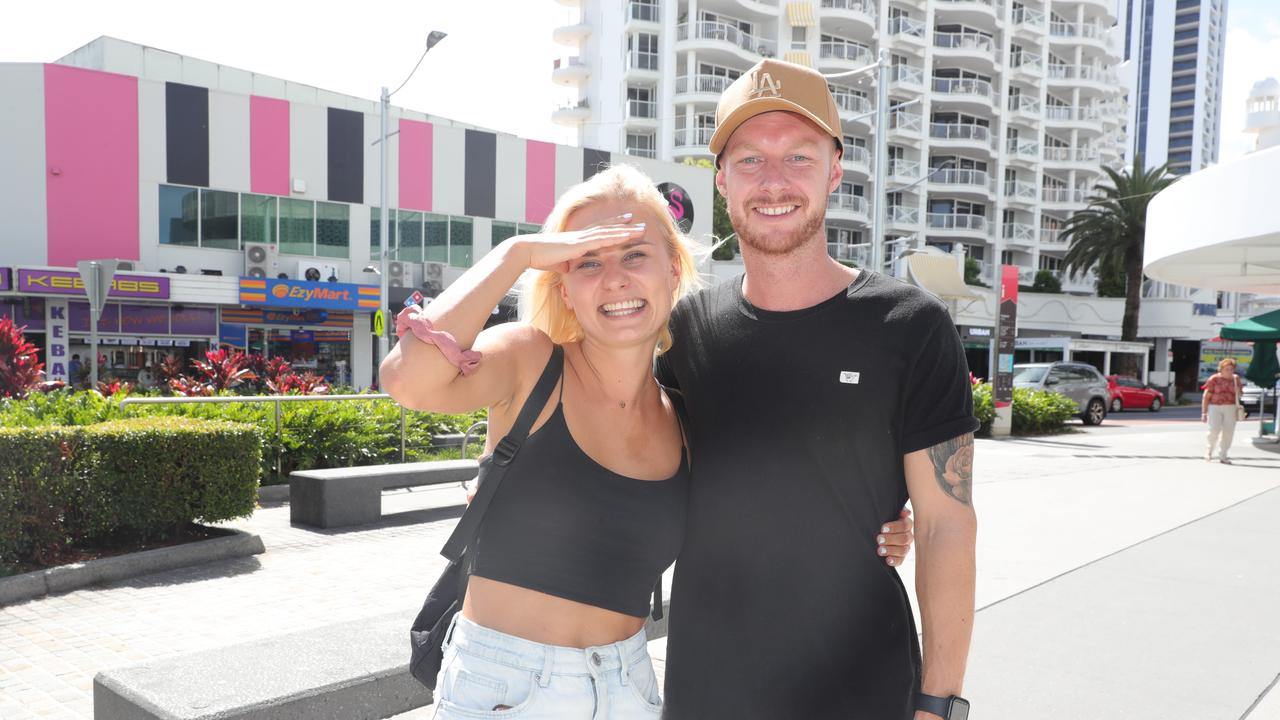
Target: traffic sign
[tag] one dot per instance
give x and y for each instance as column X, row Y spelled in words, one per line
column 379, row 323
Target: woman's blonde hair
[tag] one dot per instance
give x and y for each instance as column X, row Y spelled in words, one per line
column 1225, row 362
column 541, row 303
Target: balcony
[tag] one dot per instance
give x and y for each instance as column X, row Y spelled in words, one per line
column 902, row 215
column 1083, row 73
column 857, row 159
column 853, row 204
column 636, row 60
column 975, row 134
column 851, row 103
column 905, row 27
column 1052, row 236
column 1028, row 20
column 1019, row 233
column 973, row 41
column 1072, row 31
column 571, row 113
column 642, row 110
column 861, row 10
column 1019, row 191
column 1068, row 154
column 1024, row 104
column 904, row 121
column 725, row 33
column 1063, row 195
column 987, row 5
column 957, row 221
column 1069, row 113
column 903, row 169
column 643, row 13
column 571, row 35
column 569, row 71
column 693, row 137
column 962, row 87
column 906, row 75
column 1023, row 149
column 859, row 254
column 1027, row 62
column 710, row 85
column 852, row 53
column 962, row 178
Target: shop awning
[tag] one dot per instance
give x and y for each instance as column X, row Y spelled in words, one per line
column 800, row 14
column 1260, row 327
column 799, row 57
column 939, row 274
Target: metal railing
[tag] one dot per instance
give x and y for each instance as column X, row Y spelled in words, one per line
column 276, row 400
column 686, row 137
column 1062, row 195
column 709, row 30
column 1019, row 190
column 1072, row 113
column 1051, row 236
column 909, row 169
column 1089, row 31
column 1023, row 148
column 1027, row 62
column 960, row 131
column 642, row 109
column 857, row 155
column 960, row 176
column 906, row 74
column 956, row 221
column 642, row 60
column 1024, row 103
column 962, row 86
column 903, row 25
column 1019, row 232
column 905, row 121
column 903, row 215
column 1090, row 73
column 844, row 201
column 851, row 102
column 702, row 84
column 844, row 51
column 857, row 253
column 1028, row 17
column 864, row 7
column 963, row 41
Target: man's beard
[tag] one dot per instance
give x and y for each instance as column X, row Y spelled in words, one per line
column 774, row 242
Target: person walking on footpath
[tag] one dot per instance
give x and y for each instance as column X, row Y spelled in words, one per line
column 1220, row 407
column 592, row 508
column 821, row 399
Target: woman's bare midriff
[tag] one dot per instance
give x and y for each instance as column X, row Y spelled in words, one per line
column 544, row 618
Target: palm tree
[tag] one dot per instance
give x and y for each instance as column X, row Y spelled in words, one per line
column 1110, row 232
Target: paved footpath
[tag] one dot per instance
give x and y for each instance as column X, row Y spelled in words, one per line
column 1120, row 576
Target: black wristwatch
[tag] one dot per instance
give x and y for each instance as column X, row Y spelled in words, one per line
column 952, row 707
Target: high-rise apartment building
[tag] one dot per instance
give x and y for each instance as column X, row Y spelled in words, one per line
column 1002, row 112
column 1174, row 78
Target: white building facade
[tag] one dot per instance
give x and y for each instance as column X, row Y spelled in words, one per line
column 1173, row 74
column 1008, row 110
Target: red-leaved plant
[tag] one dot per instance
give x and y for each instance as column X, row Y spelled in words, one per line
column 218, row 371
column 20, row 368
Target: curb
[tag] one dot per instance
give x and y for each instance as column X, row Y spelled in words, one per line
column 65, row 578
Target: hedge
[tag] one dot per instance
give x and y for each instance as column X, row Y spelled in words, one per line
column 1035, row 412
column 64, row 486
column 322, row 434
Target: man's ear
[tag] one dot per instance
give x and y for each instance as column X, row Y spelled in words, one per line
column 720, row 185
column 837, row 172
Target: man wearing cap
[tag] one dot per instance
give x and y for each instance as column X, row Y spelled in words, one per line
column 821, row 398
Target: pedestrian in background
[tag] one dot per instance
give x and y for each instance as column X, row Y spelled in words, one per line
column 1221, row 408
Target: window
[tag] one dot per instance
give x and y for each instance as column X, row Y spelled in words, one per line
column 410, row 235
column 460, row 241
column 1006, row 257
column 333, row 230
column 640, row 102
column 375, row 228
column 258, row 218
column 436, row 248
column 641, row 145
column 218, row 219
column 643, row 51
column 179, row 216
column 297, row 226
column 501, row 231
column 798, row 38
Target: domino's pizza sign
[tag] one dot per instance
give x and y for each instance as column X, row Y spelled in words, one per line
column 679, row 204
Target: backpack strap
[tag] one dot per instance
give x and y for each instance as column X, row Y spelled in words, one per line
column 464, row 534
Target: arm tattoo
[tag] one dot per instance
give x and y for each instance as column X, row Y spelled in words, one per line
column 953, row 467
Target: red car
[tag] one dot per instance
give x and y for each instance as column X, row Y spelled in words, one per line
column 1130, row 394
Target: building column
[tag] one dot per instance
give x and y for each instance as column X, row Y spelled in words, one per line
column 1162, row 376
column 362, row 350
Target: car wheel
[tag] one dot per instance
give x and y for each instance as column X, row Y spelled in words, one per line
column 1117, row 405
column 1094, row 412
column 1156, row 405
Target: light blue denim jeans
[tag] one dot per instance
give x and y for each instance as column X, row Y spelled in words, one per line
column 484, row 669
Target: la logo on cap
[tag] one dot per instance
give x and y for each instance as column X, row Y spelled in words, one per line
column 763, row 84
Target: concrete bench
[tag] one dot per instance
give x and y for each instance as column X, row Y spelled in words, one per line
column 350, row 671
column 340, row 497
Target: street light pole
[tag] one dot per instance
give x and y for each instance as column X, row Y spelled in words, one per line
column 384, row 241
column 881, row 151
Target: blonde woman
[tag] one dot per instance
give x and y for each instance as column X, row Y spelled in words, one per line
column 1218, row 408
column 592, row 509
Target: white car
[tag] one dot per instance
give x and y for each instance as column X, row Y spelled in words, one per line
column 1252, row 395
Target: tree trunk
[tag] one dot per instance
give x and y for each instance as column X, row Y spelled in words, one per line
column 1132, row 291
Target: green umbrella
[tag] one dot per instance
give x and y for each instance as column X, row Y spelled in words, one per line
column 1259, row 327
column 1264, row 367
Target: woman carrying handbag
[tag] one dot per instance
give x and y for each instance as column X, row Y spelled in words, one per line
column 1220, row 407
column 592, row 460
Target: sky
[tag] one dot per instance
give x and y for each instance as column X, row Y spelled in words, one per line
column 493, row 71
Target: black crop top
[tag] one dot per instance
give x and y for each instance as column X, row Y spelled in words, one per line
column 566, row 526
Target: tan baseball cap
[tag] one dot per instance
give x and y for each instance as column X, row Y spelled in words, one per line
column 775, row 85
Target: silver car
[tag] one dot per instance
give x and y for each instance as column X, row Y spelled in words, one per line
column 1078, row 381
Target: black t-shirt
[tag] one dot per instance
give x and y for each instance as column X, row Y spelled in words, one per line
column 799, row 423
